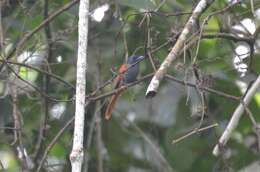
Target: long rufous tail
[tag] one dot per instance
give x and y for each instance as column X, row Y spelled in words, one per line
column 111, row 105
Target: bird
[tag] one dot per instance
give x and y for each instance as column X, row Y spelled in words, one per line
column 127, row 73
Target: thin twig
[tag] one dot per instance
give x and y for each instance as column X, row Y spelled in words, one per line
column 1, row 164
column 35, row 87
column 210, row 90
column 1, row 28
column 29, row 35
column 255, row 126
column 96, row 121
column 178, row 46
column 194, row 131
column 53, row 142
column 58, row 78
column 148, row 44
column 46, row 82
column 156, row 149
column 99, row 140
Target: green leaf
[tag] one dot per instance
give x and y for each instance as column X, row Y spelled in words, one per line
column 58, row 151
column 213, row 24
column 31, row 23
column 28, row 74
column 257, row 99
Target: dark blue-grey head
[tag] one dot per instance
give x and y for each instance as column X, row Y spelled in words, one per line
column 134, row 59
column 133, row 68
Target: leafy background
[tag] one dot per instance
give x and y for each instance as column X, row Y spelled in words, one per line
column 139, row 136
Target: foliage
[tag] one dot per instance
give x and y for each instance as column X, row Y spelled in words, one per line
column 139, row 136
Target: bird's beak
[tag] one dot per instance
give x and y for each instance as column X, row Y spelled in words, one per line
column 140, row 58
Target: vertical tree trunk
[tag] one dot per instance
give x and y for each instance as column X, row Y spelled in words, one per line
column 76, row 156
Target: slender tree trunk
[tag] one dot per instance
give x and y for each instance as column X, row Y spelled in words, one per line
column 76, row 156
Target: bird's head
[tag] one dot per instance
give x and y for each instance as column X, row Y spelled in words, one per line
column 134, row 59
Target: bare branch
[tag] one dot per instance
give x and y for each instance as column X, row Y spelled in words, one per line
column 38, row 28
column 1, row 28
column 194, row 131
column 46, row 86
column 161, row 72
column 155, row 148
column 236, row 116
column 52, row 143
column 58, row 78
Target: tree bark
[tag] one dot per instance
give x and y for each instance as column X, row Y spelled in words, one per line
column 76, row 156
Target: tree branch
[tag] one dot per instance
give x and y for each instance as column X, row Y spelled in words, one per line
column 38, row 28
column 161, row 72
column 236, row 116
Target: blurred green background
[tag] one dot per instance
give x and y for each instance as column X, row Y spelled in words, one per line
column 139, row 136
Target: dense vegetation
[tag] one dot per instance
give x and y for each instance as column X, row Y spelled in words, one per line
column 219, row 61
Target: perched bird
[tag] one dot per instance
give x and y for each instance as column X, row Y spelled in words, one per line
column 127, row 74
